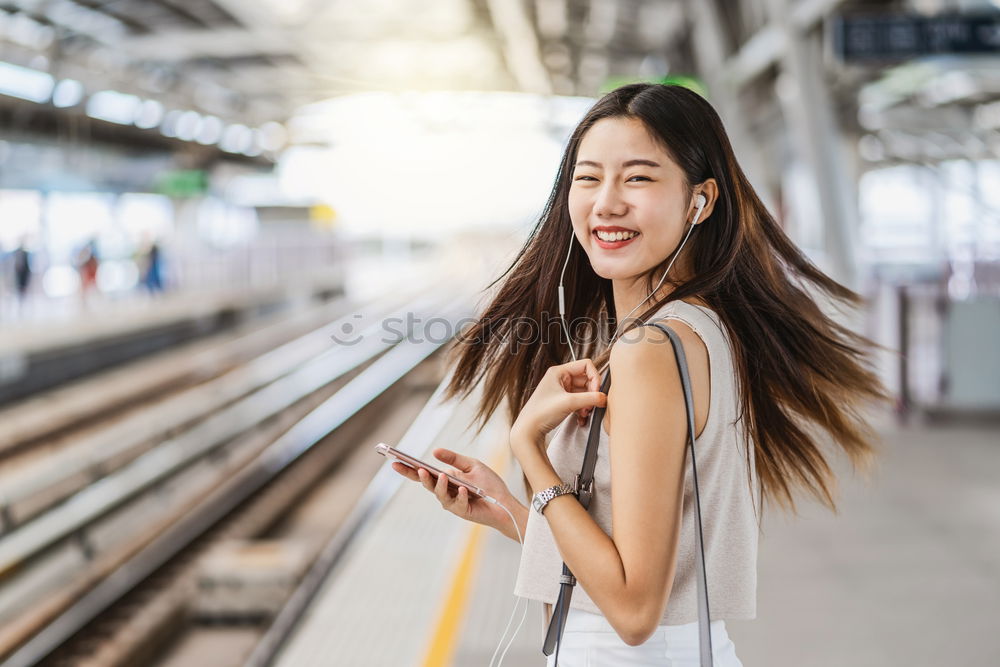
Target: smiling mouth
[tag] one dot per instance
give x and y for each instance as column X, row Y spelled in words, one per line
column 614, row 239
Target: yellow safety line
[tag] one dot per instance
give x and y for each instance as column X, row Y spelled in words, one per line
column 441, row 650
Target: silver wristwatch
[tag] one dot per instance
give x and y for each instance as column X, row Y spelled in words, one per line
column 543, row 497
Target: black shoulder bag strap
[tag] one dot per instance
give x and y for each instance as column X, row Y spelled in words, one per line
column 584, row 485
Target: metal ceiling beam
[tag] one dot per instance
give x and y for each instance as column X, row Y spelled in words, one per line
column 65, row 15
column 180, row 45
column 709, row 45
column 254, row 16
column 809, row 107
column 768, row 46
column 520, row 45
column 183, row 13
column 112, row 12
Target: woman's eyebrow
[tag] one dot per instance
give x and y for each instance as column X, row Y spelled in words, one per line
column 627, row 163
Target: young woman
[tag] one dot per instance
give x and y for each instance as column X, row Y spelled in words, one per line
column 660, row 222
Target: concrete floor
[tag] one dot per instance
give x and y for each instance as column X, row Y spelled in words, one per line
column 908, row 573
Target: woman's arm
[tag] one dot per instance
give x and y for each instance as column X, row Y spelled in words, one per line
column 629, row 577
column 520, row 513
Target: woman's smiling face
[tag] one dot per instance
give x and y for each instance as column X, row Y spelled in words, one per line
column 626, row 189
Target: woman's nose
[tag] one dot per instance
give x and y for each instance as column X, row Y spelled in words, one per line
column 609, row 202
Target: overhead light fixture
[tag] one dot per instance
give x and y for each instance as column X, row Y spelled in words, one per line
column 188, row 125
column 25, row 84
column 67, row 93
column 273, row 136
column 169, row 126
column 236, row 138
column 211, row 131
column 113, row 107
column 253, row 148
column 149, row 114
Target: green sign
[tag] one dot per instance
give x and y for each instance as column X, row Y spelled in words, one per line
column 181, row 183
column 690, row 82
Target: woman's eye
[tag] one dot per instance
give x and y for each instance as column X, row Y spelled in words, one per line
column 581, row 178
column 642, row 177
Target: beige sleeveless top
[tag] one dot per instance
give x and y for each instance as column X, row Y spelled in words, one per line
column 728, row 503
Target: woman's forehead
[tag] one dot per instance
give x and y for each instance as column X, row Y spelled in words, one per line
column 614, row 140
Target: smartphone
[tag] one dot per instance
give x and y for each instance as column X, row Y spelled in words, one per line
column 391, row 452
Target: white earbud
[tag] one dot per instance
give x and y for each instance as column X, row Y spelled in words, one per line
column 700, row 203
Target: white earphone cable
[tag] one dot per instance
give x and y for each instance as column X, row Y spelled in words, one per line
column 562, row 298
column 520, row 540
column 669, row 266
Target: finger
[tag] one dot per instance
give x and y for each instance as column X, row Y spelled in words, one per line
column 441, row 489
column 405, row 470
column 593, row 377
column 461, row 505
column 587, row 399
column 579, row 367
column 426, row 478
column 460, row 461
column 582, row 369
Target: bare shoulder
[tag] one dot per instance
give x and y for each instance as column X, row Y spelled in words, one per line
column 645, row 344
column 643, row 358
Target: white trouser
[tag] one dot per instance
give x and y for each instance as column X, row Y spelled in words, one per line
column 589, row 641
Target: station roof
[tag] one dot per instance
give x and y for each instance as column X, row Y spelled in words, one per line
column 252, row 62
column 260, row 60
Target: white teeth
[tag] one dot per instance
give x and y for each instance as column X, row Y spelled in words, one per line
column 615, row 236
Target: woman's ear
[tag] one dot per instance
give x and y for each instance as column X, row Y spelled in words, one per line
column 710, row 189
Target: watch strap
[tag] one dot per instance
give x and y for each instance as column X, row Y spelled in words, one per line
column 545, row 496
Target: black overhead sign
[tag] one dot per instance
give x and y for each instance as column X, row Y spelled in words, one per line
column 867, row 37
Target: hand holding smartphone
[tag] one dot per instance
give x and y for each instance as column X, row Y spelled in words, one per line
column 391, row 452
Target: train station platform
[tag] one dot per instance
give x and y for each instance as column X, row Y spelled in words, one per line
column 421, row 587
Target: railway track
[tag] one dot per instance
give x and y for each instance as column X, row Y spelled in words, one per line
column 95, row 575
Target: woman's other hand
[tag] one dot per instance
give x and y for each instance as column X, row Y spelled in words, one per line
column 573, row 387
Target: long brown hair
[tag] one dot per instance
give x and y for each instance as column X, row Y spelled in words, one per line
column 798, row 369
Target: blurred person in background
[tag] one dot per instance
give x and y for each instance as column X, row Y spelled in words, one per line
column 22, row 272
column 87, row 265
column 151, row 267
column 649, row 177
column 22, row 262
